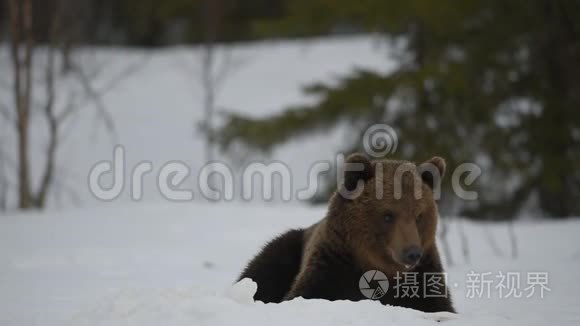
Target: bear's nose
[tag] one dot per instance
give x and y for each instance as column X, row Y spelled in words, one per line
column 411, row 255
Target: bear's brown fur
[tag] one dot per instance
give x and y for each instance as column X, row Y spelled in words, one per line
column 383, row 218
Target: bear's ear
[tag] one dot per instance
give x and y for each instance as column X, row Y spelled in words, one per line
column 357, row 167
column 432, row 171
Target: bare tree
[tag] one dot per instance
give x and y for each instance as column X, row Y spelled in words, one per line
column 463, row 240
column 51, row 118
column 513, row 239
column 211, row 20
column 491, row 241
column 22, row 53
column 444, row 233
column 3, row 181
column 4, row 184
column 21, row 46
column 214, row 71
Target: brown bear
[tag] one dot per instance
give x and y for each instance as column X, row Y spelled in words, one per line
column 383, row 217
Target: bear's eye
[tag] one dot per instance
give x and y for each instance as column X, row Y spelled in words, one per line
column 388, row 217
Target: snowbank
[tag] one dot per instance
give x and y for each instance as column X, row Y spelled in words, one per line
column 174, row 264
column 192, row 307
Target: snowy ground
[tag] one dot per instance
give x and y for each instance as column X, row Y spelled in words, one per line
column 173, row 264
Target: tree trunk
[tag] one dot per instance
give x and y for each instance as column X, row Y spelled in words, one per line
column 211, row 21
column 20, row 12
column 3, row 181
column 444, row 241
column 46, row 181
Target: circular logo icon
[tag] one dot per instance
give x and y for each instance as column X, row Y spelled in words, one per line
column 380, row 140
column 373, row 284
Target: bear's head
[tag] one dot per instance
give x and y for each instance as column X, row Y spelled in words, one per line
column 387, row 212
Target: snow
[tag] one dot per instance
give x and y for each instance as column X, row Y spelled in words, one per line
column 243, row 291
column 156, row 262
column 176, row 264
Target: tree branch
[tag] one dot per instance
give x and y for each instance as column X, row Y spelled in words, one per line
column 95, row 97
column 129, row 71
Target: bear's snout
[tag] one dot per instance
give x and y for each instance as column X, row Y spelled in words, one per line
column 411, row 255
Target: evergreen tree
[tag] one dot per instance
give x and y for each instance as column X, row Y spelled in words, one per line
column 485, row 81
